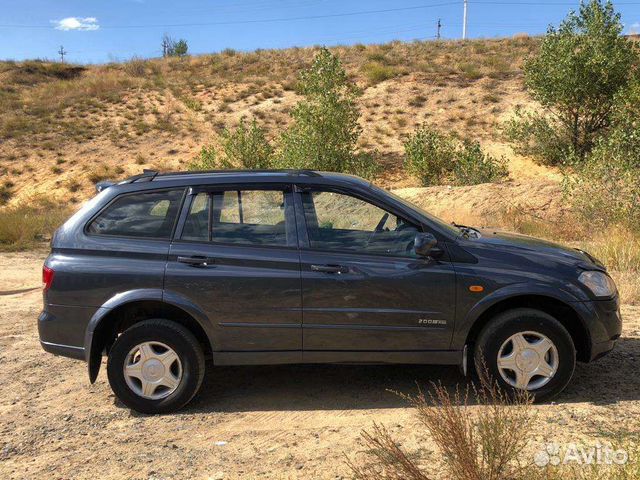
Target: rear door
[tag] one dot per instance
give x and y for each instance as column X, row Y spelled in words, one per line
column 236, row 258
column 363, row 287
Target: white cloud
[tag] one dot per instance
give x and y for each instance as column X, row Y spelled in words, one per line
column 635, row 28
column 76, row 23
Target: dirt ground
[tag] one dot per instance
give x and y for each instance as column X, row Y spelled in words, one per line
column 247, row 422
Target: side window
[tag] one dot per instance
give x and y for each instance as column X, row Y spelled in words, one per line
column 196, row 226
column 146, row 215
column 250, row 217
column 336, row 221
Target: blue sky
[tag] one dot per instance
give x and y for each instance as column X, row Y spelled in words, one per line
column 95, row 31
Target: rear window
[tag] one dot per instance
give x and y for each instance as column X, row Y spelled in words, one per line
column 146, row 215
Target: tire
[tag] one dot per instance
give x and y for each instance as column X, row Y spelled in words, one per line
column 503, row 337
column 170, row 376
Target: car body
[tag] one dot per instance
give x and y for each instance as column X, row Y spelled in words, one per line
column 295, row 266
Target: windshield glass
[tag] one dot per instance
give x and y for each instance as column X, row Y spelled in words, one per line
column 441, row 223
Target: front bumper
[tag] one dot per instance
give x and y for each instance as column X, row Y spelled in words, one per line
column 604, row 323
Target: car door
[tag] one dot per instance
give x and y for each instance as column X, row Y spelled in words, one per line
column 363, row 286
column 236, row 258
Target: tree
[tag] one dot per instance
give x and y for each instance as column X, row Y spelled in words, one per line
column 325, row 128
column 180, row 48
column 580, row 68
column 172, row 48
column 606, row 187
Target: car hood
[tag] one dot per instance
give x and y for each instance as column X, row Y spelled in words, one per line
column 533, row 245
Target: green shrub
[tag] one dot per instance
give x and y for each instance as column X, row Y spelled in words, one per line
column 575, row 76
column 473, row 166
column 428, row 155
column 436, row 158
column 325, row 129
column 247, row 147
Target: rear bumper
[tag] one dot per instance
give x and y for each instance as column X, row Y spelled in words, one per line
column 63, row 350
column 61, row 330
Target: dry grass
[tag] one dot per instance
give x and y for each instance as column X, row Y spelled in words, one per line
column 28, row 225
column 480, row 432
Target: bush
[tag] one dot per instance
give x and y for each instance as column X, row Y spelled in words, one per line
column 428, row 155
column 575, row 77
column 325, row 129
column 247, row 147
column 473, row 166
column 437, row 158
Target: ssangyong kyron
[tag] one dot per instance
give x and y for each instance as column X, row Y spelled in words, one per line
column 162, row 271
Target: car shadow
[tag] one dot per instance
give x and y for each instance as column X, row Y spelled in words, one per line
column 611, row 379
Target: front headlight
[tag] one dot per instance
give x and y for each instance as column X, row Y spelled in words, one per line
column 599, row 283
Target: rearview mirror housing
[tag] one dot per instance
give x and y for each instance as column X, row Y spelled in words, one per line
column 424, row 244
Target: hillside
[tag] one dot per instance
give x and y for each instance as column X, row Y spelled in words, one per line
column 64, row 127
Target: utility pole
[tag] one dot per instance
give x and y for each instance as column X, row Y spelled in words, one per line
column 438, row 34
column 62, row 53
column 464, row 21
column 165, row 46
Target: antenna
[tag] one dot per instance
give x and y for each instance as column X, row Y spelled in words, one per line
column 62, row 53
column 439, row 25
column 464, row 21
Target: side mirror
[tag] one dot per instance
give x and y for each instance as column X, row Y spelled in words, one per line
column 425, row 244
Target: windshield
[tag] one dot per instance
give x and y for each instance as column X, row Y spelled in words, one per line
column 441, row 223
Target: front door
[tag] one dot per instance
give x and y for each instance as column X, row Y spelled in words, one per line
column 237, row 259
column 363, row 287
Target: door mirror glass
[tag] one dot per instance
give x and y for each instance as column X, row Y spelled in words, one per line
column 424, row 244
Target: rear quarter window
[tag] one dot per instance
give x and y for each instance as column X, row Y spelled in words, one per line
column 145, row 215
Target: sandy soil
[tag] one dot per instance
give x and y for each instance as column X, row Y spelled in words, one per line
column 250, row 422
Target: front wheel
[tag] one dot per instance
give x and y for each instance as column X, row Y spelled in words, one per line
column 156, row 366
column 526, row 349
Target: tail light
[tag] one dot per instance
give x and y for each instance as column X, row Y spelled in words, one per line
column 47, row 277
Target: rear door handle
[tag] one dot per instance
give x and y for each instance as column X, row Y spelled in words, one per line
column 196, row 261
column 330, row 268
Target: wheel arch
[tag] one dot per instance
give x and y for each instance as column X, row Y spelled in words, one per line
column 111, row 320
column 558, row 309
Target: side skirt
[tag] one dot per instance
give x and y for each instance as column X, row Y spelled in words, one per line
column 434, row 357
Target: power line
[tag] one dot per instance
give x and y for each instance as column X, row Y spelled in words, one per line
column 267, row 20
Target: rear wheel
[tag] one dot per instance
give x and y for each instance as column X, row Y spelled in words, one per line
column 156, row 366
column 526, row 349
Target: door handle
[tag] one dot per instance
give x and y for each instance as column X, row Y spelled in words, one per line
column 339, row 269
column 196, row 261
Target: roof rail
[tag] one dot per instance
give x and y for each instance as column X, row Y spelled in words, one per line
column 292, row 171
column 146, row 176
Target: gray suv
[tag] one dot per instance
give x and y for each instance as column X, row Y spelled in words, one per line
column 162, row 271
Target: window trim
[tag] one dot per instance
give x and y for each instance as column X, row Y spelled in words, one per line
column 289, row 217
column 181, row 200
column 304, row 242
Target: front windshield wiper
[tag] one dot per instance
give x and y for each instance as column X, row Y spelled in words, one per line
column 466, row 230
